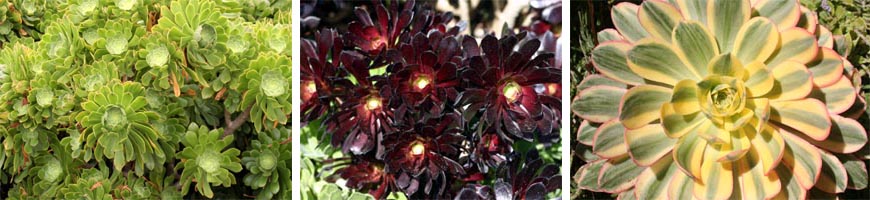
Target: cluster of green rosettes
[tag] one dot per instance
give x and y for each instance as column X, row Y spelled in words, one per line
column 720, row 99
column 140, row 99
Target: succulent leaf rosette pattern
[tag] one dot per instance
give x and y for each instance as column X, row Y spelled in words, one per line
column 205, row 161
column 117, row 127
column 720, row 100
column 269, row 162
column 97, row 98
column 415, row 107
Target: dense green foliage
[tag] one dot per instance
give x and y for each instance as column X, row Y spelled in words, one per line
column 142, row 99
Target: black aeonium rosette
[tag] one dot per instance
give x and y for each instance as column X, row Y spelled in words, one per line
column 419, row 108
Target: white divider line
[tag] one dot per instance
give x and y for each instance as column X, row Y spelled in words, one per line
column 295, row 115
column 566, row 99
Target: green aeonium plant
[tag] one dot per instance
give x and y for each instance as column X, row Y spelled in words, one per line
column 109, row 87
column 717, row 100
column 198, row 28
column 266, row 83
column 118, row 126
column 93, row 183
column 205, row 161
column 269, row 163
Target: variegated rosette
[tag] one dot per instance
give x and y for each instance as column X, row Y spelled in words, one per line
column 720, row 99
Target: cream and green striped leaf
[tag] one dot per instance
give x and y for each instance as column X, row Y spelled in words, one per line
column 640, row 105
column 676, row 125
column 653, row 182
column 726, row 65
column 784, row 13
column 807, row 116
column 693, row 9
column 609, row 58
column 725, row 17
column 756, row 40
column 598, row 80
column 695, row 44
column 712, row 133
column 838, row 97
column 689, row 154
column 761, row 109
column 739, row 145
column 627, row 195
column 847, row 136
column 625, row 19
column 586, row 133
column 648, row 144
column 795, row 44
column 790, row 188
column 587, row 177
column 681, row 187
column 833, row 177
column 658, row 61
column 609, row 35
column 826, row 38
column 659, row 18
column 618, row 174
column 738, row 120
column 685, row 98
column 609, row 140
column 755, row 183
column 792, row 81
column 808, row 20
column 827, row 68
column 758, row 80
column 596, row 103
column 857, row 171
column 769, row 145
column 802, row 159
column 716, row 177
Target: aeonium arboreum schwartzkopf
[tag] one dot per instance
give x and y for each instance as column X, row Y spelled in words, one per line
column 407, row 103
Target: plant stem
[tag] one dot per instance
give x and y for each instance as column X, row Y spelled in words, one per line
column 237, row 122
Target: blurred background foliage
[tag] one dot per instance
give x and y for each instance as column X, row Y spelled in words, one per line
column 850, row 18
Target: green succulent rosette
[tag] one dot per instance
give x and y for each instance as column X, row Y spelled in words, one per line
column 721, row 99
column 274, row 37
column 253, row 10
column 117, row 126
column 160, row 63
column 204, row 160
column 198, row 28
column 134, row 187
column 93, row 183
column 266, row 86
column 61, row 44
column 23, row 18
column 117, row 40
column 95, row 76
column 48, row 173
column 16, row 60
column 268, row 161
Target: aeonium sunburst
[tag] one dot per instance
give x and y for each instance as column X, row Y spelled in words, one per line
column 719, row 99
